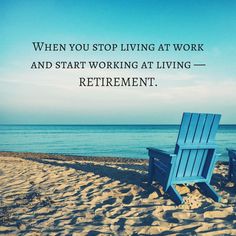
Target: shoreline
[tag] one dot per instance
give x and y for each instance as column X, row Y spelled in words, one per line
column 66, row 157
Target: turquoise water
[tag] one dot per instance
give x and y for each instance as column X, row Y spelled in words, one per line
column 100, row 140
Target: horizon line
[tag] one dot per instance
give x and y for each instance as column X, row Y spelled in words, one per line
column 92, row 124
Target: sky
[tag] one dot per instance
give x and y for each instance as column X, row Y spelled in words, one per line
column 53, row 96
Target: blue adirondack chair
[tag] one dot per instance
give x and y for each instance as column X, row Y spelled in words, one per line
column 232, row 164
column 193, row 159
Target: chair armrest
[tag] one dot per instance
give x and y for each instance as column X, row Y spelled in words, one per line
column 154, row 152
column 231, row 152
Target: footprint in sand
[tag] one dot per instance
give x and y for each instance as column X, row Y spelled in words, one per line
column 127, row 199
column 110, row 201
column 218, row 214
column 125, row 190
column 183, row 216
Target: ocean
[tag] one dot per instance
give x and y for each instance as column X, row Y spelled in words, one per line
column 128, row 141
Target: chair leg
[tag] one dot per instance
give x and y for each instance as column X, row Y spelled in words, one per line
column 210, row 192
column 150, row 170
column 150, row 178
column 230, row 172
column 174, row 195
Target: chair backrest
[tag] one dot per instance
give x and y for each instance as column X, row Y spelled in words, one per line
column 195, row 145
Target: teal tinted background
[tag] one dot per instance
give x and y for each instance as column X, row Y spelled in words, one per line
column 43, row 97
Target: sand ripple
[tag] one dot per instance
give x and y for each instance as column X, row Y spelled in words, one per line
column 53, row 197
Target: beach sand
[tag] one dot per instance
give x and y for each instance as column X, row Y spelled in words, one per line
column 57, row 195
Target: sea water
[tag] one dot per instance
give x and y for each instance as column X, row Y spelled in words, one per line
column 101, row 140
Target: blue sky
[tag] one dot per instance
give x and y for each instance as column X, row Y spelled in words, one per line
column 28, row 96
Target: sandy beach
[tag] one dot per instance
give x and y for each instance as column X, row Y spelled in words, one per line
column 57, row 195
